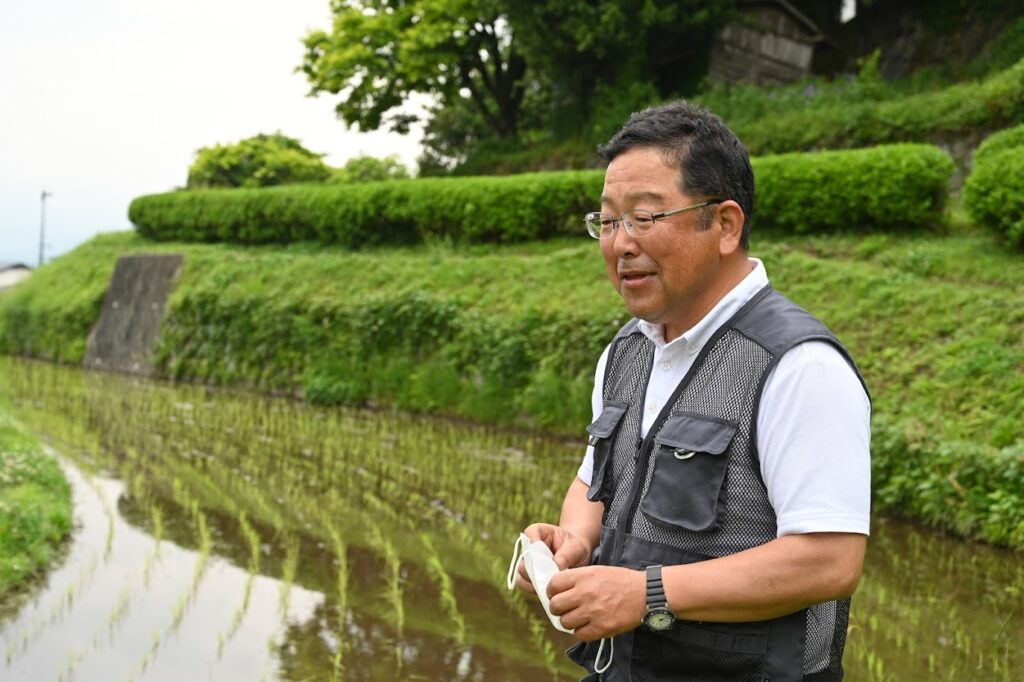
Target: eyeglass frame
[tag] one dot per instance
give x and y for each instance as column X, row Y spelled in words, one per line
column 654, row 218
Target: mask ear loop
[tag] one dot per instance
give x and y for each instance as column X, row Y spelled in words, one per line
column 518, row 550
column 599, row 669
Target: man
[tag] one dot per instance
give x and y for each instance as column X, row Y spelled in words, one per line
column 717, row 526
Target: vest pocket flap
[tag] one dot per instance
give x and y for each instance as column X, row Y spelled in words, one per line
column 686, row 485
column 691, row 433
column 610, row 417
column 601, row 432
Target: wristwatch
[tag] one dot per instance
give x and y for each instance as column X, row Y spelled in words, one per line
column 659, row 616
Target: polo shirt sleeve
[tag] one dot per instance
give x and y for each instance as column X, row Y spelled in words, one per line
column 813, row 438
column 586, row 470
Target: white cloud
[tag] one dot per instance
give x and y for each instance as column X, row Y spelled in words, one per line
column 105, row 100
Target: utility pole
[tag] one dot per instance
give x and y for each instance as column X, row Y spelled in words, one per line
column 42, row 223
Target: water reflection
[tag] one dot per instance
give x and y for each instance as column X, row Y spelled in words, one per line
column 232, row 537
column 126, row 606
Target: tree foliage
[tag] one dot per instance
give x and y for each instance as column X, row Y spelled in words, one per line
column 370, row 169
column 379, row 52
column 611, row 54
column 258, row 161
column 507, row 71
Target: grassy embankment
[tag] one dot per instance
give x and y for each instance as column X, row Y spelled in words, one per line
column 35, row 506
column 510, row 334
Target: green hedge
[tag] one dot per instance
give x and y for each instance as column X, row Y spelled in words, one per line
column 994, row 193
column 500, row 209
column 887, row 188
column 892, row 187
column 959, row 110
column 1010, row 138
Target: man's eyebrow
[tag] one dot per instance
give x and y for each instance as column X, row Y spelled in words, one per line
column 635, row 197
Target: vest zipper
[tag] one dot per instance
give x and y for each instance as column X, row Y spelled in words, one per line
column 639, row 472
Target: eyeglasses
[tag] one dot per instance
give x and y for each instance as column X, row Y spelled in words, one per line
column 640, row 221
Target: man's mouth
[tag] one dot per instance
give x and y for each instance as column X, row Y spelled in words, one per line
column 632, row 278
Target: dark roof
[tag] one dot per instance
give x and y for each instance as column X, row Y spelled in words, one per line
column 10, row 265
column 797, row 15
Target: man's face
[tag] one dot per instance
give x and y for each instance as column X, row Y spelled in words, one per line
column 674, row 275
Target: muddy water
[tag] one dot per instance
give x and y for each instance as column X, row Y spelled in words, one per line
column 224, row 536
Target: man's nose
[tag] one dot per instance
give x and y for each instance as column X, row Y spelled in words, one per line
column 624, row 244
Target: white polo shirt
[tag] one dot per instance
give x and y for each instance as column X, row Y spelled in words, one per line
column 813, row 427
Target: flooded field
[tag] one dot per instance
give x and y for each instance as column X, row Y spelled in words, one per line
column 228, row 536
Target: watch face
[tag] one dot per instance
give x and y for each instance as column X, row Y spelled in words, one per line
column 659, row 619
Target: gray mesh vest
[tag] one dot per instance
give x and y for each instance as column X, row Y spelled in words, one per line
column 692, row 490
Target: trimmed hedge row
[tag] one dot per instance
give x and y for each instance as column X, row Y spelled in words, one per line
column 994, row 191
column 1010, row 138
column 962, row 109
column 893, row 187
column 485, row 209
column 887, row 188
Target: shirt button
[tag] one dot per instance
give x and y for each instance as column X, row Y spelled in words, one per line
column 666, row 366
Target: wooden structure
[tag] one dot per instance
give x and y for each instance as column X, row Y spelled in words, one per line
column 770, row 43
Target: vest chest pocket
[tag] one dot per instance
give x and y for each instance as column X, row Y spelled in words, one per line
column 690, row 461
column 601, row 436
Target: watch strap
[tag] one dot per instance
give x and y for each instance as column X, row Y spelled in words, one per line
column 655, row 588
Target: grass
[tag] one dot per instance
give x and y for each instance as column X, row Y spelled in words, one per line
column 35, row 506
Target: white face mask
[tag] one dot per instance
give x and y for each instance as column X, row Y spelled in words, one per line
column 541, row 567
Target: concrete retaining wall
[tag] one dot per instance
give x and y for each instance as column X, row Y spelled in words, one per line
column 129, row 325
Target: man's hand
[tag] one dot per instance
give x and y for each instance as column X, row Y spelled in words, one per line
column 569, row 551
column 599, row 601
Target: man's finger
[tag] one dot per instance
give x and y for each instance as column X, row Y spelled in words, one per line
column 560, row 582
column 525, row 585
column 573, row 620
column 571, row 553
column 523, row 581
column 587, row 633
column 540, row 531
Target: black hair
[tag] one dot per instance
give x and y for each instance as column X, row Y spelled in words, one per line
column 712, row 162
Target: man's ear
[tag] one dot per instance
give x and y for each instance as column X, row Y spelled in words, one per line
column 730, row 218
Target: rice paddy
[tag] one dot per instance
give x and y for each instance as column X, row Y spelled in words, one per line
column 229, row 536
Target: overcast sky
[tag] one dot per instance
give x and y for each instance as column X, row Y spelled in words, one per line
column 104, row 100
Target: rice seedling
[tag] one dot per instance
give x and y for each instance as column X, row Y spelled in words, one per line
column 291, row 562
column 157, row 522
column 119, row 611
column 444, row 583
column 393, row 587
column 341, row 556
column 253, row 540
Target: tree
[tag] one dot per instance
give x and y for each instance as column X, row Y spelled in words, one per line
column 379, row 52
column 608, row 56
column 257, row 161
column 505, row 71
column 370, row 169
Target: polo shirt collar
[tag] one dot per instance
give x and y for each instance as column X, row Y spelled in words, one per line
column 698, row 335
